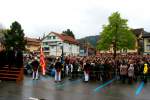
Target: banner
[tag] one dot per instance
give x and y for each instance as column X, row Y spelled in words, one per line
column 42, row 61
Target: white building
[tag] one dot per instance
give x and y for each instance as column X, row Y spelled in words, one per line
column 54, row 42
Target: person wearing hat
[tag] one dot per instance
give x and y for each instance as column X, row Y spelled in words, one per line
column 35, row 66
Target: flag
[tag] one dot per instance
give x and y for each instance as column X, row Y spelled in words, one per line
column 42, row 61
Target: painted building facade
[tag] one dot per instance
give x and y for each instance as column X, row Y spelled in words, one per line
column 54, row 43
column 33, row 44
column 146, row 40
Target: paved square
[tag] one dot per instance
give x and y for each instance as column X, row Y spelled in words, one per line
column 46, row 88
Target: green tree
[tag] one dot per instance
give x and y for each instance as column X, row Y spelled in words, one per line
column 14, row 37
column 116, row 34
column 69, row 32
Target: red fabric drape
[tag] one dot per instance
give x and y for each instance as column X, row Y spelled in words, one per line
column 42, row 61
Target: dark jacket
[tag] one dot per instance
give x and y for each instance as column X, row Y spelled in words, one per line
column 58, row 66
column 35, row 65
column 19, row 59
column 87, row 67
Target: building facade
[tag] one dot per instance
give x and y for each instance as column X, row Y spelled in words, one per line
column 33, row 44
column 86, row 49
column 54, row 44
column 146, row 42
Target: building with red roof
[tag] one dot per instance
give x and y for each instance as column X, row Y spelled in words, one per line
column 54, row 43
column 33, row 44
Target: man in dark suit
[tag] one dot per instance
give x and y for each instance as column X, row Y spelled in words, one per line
column 35, row 67
column 58, row 68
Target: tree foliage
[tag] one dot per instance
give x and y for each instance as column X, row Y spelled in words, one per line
column 69, row 32
column 116, row 34
column 14, row 37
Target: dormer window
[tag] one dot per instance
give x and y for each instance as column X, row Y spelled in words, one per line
column 49, row 37
column 54, row 37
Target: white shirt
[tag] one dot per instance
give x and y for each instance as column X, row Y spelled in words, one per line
column 131, row 71
column 123, row 70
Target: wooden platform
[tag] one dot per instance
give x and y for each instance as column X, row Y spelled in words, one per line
column 13, row 74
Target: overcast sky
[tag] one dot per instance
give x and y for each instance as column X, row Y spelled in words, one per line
column 83, row 17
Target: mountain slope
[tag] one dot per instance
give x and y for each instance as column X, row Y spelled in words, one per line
column 92, row 40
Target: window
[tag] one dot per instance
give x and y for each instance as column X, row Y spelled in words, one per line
column 49, row 37
column 52, row 47
column 148, row 40
column 148, row 47
column 54, row 37
column 70, row 48
column 46, row 48
column 77, row 49
column 45, row 43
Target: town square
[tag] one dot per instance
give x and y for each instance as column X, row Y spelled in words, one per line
column 74, row 50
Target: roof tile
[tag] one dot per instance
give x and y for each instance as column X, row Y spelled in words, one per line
column 67, row 38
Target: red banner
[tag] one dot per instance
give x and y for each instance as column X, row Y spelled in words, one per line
column 42, row 61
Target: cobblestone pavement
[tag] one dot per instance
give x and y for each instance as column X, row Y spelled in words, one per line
column 46, row 89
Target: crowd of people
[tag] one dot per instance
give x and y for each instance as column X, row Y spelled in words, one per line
column 127, row 68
